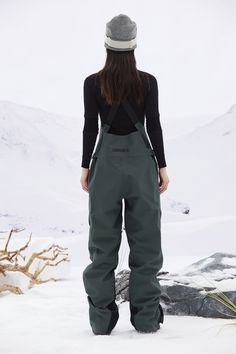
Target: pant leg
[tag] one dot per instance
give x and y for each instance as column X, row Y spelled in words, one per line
column 143, row 229
column 105, row 220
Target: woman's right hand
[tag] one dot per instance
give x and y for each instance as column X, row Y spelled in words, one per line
column 84, row 179
column 164, row 179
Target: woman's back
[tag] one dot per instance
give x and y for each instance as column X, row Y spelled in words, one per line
column 95, row 104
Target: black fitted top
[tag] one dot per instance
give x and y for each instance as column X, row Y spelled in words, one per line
column 95, row 104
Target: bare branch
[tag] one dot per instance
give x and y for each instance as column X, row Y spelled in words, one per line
column 47, row 261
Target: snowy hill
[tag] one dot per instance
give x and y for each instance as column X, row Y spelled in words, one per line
column 40, row 176
column 40, row 164
column 201, row 167
column 36, row 135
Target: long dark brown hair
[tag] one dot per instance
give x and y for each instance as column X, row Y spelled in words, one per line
column 120, row 78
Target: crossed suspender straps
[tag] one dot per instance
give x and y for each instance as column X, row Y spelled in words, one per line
column 129, row 109
column 132, row 116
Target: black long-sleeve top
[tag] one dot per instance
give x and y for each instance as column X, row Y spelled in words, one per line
column 95, row 104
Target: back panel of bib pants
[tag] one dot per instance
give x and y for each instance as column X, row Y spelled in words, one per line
column 123, row 167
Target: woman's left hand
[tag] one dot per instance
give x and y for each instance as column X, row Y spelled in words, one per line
column 164, row 179
column 84, row 179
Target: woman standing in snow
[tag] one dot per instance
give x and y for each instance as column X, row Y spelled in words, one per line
column 124, row 166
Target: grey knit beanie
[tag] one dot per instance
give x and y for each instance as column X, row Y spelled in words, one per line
column 121, row 33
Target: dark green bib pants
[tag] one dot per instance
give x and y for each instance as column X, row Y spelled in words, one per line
column 124, row 167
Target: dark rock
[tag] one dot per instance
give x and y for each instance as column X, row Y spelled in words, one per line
column 185, row 293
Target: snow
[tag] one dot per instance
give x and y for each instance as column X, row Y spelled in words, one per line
column 40, row 162
column 229, row 261
column 53, row 318
column 202, row 164
column 40, row 165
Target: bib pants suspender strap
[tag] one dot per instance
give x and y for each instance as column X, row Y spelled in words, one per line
column 133, row 118
column 137, row 123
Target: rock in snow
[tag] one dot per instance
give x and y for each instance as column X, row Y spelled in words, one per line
column 192, row 291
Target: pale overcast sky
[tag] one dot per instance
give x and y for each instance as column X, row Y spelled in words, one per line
column 48, row 47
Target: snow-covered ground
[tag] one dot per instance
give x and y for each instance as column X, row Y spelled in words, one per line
column 40, row 191
column 53, row 318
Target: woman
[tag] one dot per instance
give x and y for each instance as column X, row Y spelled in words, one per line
column 124, row 166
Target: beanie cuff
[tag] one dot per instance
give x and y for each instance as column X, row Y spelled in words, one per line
column 117, row 44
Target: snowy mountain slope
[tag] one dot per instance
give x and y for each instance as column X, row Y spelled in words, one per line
column 40, row 171
column 201, row 167
column 36, row 135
